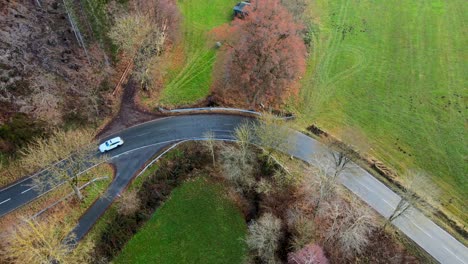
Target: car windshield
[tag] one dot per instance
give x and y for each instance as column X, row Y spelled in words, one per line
column 107, row 144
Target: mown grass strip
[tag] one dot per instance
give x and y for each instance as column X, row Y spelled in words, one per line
column 190, row 81
column 395, row 71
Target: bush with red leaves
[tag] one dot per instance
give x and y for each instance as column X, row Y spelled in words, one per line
column 310, row 254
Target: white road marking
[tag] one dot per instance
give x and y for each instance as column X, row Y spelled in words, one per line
column 27, row 190
column 418, row 227
column 385, row 201
column 146, row 146
column 365, row 187
column 175, row 145
column 30, row 177
column 372, row 191
column 451, row 252
column 5, row 201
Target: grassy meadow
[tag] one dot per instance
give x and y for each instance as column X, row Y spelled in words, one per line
column 197, row 224
column 189, row 77
column 393, row 71
column 397, row 72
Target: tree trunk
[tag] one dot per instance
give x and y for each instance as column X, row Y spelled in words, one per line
column 77, row 192
column 213, row 156
column 317, row 204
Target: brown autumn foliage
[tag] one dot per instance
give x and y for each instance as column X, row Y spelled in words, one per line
column 264, row 58
column 45, row 73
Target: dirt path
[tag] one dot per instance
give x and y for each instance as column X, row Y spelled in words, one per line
column 129, row 114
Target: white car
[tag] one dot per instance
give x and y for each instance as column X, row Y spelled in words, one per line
column 111, row 144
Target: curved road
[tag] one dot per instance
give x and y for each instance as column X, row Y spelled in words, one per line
column 145, row 140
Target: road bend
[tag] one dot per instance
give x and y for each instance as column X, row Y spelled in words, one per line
column 145, row 140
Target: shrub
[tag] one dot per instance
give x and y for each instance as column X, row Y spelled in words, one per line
column 351, row 226
column 303, row 232
column 310, row 254
column 128, row 203
column 264, row 236
column 238, row 166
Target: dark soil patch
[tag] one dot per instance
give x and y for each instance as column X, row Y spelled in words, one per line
column 129, row 114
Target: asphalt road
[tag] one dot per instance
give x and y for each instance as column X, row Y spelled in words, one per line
column 143, row 141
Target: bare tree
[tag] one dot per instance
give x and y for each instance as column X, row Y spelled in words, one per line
column 35, row 241
column 58, row 145
column 141, row 40
column 302, row 226
column 146, row 58
column 161, row 13
column 339, row 154
column 128, row 203
column 129, row 32
column 210, row 144
column 351, row 225
column 238, row 166
column 342, row 154
column 64, row 155
column 273, row 134
column 244, row 137
column 238, row 163
column 263, row 237
column 69, row 170
column 418, row 187
column 319, row 184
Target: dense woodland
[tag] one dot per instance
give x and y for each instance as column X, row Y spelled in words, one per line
column 47, row 79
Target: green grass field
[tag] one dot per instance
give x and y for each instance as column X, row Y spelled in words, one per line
column 397, row 71
column 191, row 81
column 197, row 224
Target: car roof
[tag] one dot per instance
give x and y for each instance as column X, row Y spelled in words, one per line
column 112, row 140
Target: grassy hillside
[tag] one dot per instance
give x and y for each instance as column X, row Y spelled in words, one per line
column 198, row 224
column 190, row 80
column 397, row 71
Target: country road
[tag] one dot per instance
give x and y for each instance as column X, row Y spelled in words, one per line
column 145, row 140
